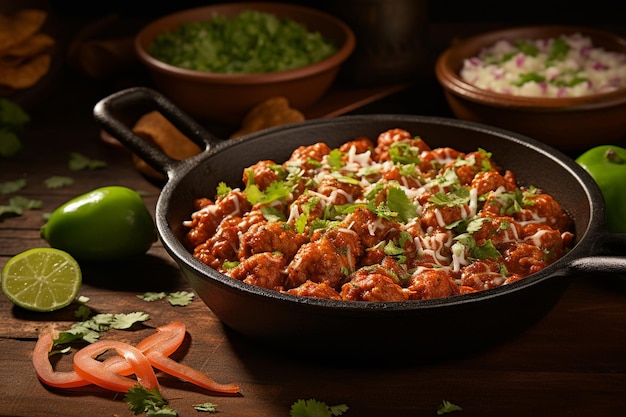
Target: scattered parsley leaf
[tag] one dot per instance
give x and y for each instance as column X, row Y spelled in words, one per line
column 12, row 115
column 10, row 144
column 9, row 187
column 447, row 407
column 82, row 312
column 207, row 407
column 18, row 204
column 314, row 408
column 126, row 321
column 79, row 162
column 151, row 296
column 141, row 400
column 58, row 182
column 25, row 203
column 180, row 298
column 90, row 330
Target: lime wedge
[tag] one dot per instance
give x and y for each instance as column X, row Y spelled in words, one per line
column 41, row 279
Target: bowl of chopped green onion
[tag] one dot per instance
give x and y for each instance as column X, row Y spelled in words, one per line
column 218, row 62
column 562, row 85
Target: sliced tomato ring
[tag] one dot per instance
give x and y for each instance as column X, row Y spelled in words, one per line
column 152, row 351
column 186, row 373
column 166, row 340
column 44, row 370
column 88, row 367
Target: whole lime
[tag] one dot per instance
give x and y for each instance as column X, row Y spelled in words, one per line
column 108, row 223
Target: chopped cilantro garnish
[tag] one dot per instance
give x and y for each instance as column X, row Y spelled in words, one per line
column 272, row 214
column 334, row 159
column 277, row 190
column 223, row 189
column 398, row 202
column 229, row 264
column 485, row 251
column 527, row 48
column 528, row 77
column 558, row 50
column 403, row 153
column 456, row 197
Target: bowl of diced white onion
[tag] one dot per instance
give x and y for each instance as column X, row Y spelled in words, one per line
column 563, row 85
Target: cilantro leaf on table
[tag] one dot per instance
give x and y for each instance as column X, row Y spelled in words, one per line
column 10, row 144
column 207, row 407
column 180, row 298
column 447, row 407
column 9, row 187
column 152, row 296
column 57, row 181
column 90, row 330
column 18, row 204
column 315, row 408
column 141, row 400
column 12, row 116
column 12, row 121
column 78, row 162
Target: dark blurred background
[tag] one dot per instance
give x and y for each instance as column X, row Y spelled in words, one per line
column 525, row 11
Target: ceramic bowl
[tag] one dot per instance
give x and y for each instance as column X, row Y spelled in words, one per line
column 566, row 123
column 226, row 98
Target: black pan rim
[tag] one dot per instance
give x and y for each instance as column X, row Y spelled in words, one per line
column 557, row 270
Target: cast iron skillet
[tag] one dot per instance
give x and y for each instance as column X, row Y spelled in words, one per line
column 334, row 328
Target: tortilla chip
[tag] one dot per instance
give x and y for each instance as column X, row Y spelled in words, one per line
column 272, row 112
column 20, row 26
column 26, row 74
column 156, row 129
column 35, row 45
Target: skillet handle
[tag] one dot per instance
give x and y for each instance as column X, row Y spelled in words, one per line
column 610, row 259
column 119, row 111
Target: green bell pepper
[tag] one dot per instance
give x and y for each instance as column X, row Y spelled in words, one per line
column 607, row 166
column 106, row 224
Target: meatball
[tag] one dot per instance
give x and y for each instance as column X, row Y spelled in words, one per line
column 326, row 259
column 270, row 237
column 263, row 172
column 262, row 269
column 482, row 275
column 316, row 290
column 487, row 181
column 524, row 259
column 372, row 284
column 426, row 284
column 205, row 221
column 544, row 209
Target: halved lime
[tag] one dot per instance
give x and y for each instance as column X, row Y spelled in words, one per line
column 41, row 279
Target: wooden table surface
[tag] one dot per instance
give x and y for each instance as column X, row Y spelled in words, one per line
column 571, row 363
